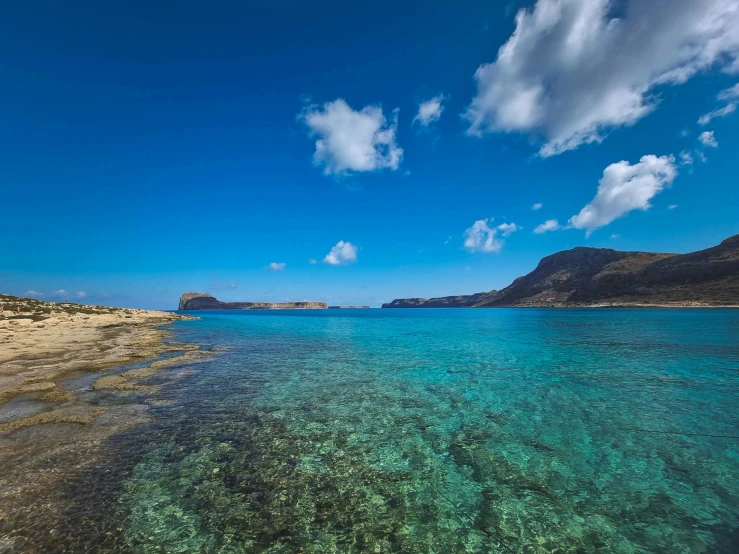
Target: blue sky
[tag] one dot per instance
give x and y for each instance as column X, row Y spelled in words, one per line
column 149, row 149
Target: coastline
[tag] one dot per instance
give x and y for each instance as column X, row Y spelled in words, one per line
column 46, row 343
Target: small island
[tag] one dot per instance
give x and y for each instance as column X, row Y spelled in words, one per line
column 205, row 301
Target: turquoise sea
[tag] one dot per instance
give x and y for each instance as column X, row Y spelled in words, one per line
column 429, row 431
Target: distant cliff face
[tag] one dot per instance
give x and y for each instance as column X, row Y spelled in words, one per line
column 204, row 301
column 604, row 277
column 600, row 276
column 462, row 301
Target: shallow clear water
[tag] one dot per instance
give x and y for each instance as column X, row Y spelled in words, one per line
column 439, row 431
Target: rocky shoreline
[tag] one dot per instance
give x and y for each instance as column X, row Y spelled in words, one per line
column 43, row 343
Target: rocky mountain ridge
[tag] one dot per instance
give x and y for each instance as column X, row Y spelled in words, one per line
column 585, row 276
column 461, row 301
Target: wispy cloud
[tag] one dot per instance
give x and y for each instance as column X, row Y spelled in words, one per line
column 222, row 285
column 537, row 206
column 429, row 111
column 275, row 266
column 728, row 95
column 80, row 294
column 34, row 293
column 706, row 118
column 548, row 225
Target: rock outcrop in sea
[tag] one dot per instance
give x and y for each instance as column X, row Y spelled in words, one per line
column 205, row 301
column 462, row 301
column 585, row 276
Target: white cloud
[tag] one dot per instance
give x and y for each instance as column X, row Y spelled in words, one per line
column 80, row 294
column 34, row 293
column 481, row 237
column 61, row 293
column 274, row 266
column 548, row 225
column 625, row 187
column 706, row 118
column 575, row 69
column 615, row 236
column 537, row 206
column 506, row 229
column 342, row 253
column 731, row 93
column 352, row 141
column 707, row 139
column 429, row 111
column 686, row 158
column 672, row 206
column 726, row 95
column 312, row 261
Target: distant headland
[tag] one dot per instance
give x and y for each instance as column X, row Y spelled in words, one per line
column 593, row 277
column 204, row 301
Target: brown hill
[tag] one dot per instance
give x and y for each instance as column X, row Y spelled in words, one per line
column 461, row 301
column 604, row 277
column 601, row 276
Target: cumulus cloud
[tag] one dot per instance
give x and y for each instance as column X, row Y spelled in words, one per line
column 342, row 253
column 537, row 206
column 481, row 237
column 686, row 158
column 623, row 188
column 548, row 225
column 61, row 293
column 429, row 111
column 575, row 69
column 34, row 293
column 352, row 141
column 707, row 139
column 274, row 266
